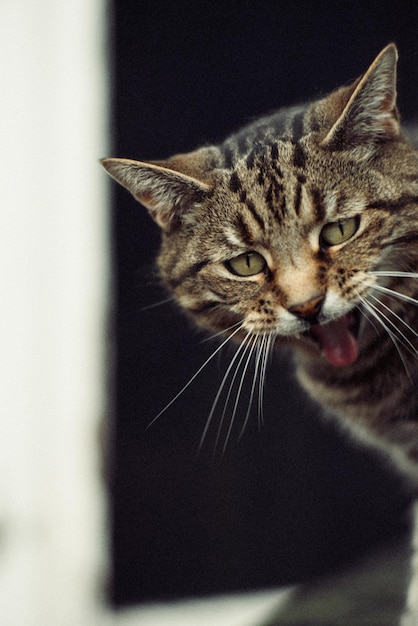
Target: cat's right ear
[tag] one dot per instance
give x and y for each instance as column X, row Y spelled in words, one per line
column 165, row 192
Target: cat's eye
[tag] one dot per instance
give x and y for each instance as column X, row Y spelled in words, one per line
column 247, row 264
column 335, row 233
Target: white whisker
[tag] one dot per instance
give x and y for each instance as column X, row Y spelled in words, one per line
column 231, row 387
column 395, row 274
column 156, row 304
column 221, row 332
column 395, row 294
column 377, row 314
column 262, row 356
column 241, row 348
column 268, row 348
column 260, row 346
column 183, row 389
column 367, row 314
column 400, row 336
column 398, row 317
column 238, row 394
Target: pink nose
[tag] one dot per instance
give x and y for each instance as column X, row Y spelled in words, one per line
column 308, row 310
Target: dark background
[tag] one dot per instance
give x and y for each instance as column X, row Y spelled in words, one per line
column 294, row 499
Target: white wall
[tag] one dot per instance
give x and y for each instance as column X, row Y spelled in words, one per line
column 53, row 289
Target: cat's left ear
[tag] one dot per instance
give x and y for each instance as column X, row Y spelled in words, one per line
column 370, row 114
column 165, row 191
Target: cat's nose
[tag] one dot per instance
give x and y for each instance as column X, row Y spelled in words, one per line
column 309, row 310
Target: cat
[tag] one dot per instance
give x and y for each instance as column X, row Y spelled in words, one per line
column 301, row 230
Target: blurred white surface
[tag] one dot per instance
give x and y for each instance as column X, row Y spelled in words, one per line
column 250, row 609
column 53, row 290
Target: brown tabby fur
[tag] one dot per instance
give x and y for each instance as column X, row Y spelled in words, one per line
column 271, row 189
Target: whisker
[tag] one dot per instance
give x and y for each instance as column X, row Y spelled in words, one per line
column 238, row 395
column 408, row 345
column 258, row 349
column 241, row 348
column 261, row 357
column 398, row 317
column 268, row 348
column 370, row 312
column 183, row 389
column 160, row 303
column 395, row 274
column 221, row 332
column 395, row 294
column 400, row 336
column 260, row 346
column 376, row 313
column 231, row 387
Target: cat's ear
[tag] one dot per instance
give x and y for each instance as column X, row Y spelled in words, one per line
column 369, row 115
column 166, row 192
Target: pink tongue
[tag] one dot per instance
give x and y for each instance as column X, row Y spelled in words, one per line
column 339, row 346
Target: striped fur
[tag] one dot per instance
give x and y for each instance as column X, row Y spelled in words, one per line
column 281, row 193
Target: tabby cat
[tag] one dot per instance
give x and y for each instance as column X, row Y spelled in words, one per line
column 301, row 230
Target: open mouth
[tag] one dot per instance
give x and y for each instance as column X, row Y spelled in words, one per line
column 338, row 339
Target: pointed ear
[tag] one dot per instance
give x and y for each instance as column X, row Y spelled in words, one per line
column 166, row 192
column 370, row 113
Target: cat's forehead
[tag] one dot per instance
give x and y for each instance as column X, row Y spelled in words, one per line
column 286, row 183
column 281, row 160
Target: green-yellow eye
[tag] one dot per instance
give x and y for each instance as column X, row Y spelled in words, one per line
column 335, row 233
column 247, row 264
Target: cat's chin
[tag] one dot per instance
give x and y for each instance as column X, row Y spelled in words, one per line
column 337, row 340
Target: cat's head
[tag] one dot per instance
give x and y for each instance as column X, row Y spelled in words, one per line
column 282, row 228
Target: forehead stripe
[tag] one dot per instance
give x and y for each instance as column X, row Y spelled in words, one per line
column 252, row 208
column 318, row 205
column 393, row 205
column 192, row 271
column 299, row 156
column 298, row 198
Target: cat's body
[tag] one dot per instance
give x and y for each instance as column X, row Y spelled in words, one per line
column 301, row 230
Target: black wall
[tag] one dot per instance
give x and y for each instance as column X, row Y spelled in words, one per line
column 294, row 498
